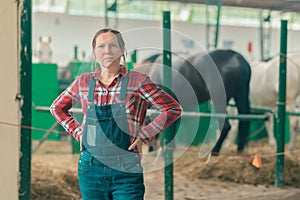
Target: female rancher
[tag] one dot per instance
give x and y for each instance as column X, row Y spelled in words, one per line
column 114, row 103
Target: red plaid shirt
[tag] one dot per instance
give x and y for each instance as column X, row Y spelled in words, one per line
column 141, row 92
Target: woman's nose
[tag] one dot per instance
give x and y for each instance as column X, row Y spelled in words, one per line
column 107, row 49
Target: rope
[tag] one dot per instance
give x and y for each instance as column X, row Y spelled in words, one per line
column 32, row 128
column 259, row 130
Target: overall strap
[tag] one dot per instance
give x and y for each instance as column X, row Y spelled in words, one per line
column 91, row 90
column 124, row 86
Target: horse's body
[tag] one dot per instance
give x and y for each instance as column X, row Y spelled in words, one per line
column 264, row 90
column 219, row 75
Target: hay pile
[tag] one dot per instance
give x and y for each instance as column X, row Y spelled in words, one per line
column 50, row 183
column 237, row 168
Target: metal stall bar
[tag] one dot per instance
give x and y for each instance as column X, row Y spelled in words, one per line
column 265, row 35
column 209, row 24
column 111, row 9
column 281, row 112
column 258, row 117
column 167, row 82
column 25, row 100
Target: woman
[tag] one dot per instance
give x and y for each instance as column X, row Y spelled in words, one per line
column 114, row 103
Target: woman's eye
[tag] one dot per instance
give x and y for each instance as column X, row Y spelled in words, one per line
column 101, row 46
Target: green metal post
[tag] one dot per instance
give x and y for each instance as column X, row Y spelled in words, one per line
column 210, row 3
column 220, row 2
column 25, row 97
column 261, row 31
column 279, row 171
column 106, row 13
column 75, row 52
column 133, row 57
column 167, row 82
column 207, row 18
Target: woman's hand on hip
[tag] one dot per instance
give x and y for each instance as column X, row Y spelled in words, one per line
column 137, row 143
column 80, row 141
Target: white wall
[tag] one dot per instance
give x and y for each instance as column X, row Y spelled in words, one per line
column 67, row 31
column 9, row 109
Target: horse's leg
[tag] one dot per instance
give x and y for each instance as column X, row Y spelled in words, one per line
column 294, row 127
column 223, row 126
column 243, row 127
column 232, row 134
column 223, row 135
column 234, row 126
column 241, row 98
column 269, row 124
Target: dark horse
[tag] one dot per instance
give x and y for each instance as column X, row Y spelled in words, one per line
column 218, row 76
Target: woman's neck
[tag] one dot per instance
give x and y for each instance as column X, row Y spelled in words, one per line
column 107, row 75
column 110, row 72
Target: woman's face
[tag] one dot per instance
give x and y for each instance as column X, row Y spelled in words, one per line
column 107, row 50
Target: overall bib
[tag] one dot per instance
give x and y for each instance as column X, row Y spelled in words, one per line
column 106, row 168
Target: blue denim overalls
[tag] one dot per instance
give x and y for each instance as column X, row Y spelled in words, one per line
column 106, row 169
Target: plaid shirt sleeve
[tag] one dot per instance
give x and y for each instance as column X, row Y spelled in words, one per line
column 61, row 106
column 161, row 101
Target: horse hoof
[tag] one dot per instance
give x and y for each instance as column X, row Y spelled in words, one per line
column 240, row 151
column 215, row 153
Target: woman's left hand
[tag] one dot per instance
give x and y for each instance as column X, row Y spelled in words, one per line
column 137, row 143
column 80, row 142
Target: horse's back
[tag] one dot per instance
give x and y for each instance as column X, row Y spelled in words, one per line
column 235, row 70
column 264, row 82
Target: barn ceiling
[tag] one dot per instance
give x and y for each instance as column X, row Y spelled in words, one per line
column 280, row 5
